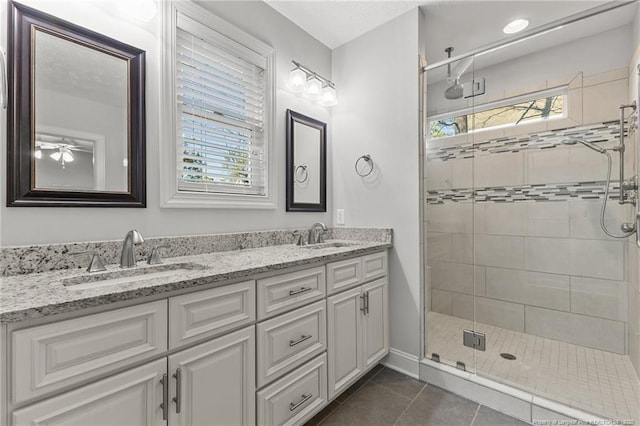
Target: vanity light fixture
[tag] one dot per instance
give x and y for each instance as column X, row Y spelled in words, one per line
column 329, row 97
column 515, row 26
column 297, row 80
column 313, row 86
column 314, row 89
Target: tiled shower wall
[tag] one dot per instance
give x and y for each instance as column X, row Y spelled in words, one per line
column 634, row 252
column 515, row 222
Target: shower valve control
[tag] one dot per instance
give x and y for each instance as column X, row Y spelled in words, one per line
column 630, row 184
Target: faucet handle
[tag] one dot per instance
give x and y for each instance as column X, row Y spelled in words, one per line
column 154, row 257
column 300, row 240
column 95, row 264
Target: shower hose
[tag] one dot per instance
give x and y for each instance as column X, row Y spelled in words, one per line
column 604, row 202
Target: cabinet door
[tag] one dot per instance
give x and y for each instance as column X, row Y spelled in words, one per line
column 375, row 322
column 131, row 398
column 214, row 383
column 343, row 343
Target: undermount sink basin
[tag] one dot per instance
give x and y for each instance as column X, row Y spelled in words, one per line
column 127, row 276
column 333, row 244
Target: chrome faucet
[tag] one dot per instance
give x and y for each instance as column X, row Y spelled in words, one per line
column 312, row 238
column 128, row 255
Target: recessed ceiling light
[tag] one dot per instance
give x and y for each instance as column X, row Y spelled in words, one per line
column 515, row 26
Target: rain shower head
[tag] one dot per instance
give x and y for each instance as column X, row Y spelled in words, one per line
column 456, row 90
column 573, row 141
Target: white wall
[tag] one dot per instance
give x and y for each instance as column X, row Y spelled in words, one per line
column 377, row 78
column 21, row 226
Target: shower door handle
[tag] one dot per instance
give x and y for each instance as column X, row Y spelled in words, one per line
column 637, row 227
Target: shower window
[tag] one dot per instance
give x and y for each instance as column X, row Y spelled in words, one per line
column 494, row 115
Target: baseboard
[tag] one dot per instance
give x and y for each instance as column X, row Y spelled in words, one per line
column 504, row 398
column 402, row 362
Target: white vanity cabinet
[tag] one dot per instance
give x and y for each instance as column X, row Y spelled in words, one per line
column 357, row 325
column 212, row 383
column 271, row 351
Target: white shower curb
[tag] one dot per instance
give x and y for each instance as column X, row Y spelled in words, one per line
column 503, row 398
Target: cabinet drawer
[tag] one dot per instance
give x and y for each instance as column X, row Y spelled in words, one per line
column 289, row 340
column 53, row 356
column 295, row 398
column 343, row 275
column 288, row 291
column 208, row 313
column 129, row 398
column 374, row 266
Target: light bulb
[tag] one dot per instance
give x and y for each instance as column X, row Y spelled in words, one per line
column 38, row 154
column 67, row 157
column 515, row 26
column 56, row 155
column 329, row 97
column 297, row 80
column 314, row 89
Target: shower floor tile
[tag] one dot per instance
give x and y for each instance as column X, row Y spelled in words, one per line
column 592, row 380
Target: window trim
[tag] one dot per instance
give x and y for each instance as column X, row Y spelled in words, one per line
column 170, row 196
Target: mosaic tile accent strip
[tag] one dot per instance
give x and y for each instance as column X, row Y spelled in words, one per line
column 596, row 133
column 535, row 192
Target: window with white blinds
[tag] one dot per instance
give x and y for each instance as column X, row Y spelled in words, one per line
column 220, row 95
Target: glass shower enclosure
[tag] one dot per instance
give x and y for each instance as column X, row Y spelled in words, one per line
column 523, row 284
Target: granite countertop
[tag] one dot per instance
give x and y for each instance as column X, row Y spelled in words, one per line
column 36, row 295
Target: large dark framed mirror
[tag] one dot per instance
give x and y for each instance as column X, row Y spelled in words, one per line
column 306, row 163
column 76, row 115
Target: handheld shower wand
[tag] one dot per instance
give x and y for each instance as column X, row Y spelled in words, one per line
column 627, row 228
column 573, row 141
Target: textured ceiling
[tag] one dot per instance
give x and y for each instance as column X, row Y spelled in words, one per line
column 76, row 70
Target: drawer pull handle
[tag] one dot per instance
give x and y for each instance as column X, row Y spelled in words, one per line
column 165, row 397
column 294, row 405
column 178, row 398
column 300, row 340
column 300, row 290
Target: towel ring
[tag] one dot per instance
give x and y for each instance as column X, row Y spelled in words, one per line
column 369, row 161
column 304, row 175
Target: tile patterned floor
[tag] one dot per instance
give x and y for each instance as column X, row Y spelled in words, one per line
column 387, row 398
column 596, row 381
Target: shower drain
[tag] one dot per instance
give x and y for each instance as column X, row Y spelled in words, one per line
column 508, row 356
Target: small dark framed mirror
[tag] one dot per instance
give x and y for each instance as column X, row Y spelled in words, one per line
column 76, row 115
column 306, row 164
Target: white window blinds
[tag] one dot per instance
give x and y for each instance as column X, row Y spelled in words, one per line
column 220, row 113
